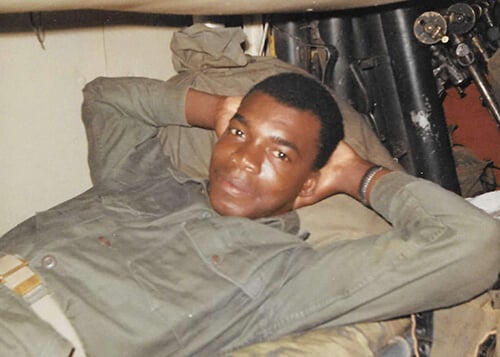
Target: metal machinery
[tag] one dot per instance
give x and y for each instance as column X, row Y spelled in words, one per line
column 394, row 63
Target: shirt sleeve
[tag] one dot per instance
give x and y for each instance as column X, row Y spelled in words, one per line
column 441, row 251
column 119, row 114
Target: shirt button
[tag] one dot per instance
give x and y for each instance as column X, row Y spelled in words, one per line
column 49, row 262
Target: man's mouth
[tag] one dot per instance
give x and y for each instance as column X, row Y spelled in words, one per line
column 232, row 185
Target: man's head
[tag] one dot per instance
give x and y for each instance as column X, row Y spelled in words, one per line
column 285, row 130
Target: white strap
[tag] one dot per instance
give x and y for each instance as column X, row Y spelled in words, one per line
column 16, row 275
column 48, row 310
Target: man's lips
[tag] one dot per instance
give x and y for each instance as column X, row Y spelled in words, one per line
column 234, row 186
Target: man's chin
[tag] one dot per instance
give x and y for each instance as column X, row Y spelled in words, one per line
column 226, row 209
column 226, row 202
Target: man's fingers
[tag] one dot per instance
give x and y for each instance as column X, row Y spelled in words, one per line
column 228, row 107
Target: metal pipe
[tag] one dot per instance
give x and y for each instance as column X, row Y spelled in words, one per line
column 486, row 93
column 422, row 110
column 288, row 41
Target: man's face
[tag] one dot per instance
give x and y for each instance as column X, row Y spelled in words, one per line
column 264, row 159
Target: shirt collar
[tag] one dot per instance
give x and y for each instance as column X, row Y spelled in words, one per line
column 288, row 222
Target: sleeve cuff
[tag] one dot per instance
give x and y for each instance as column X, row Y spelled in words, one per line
column 386, row 189
column 172, row 103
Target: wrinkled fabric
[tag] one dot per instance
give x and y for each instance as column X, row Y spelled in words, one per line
column 460, row 329
column 144, row 266
column 364, row 339
column 200, row 46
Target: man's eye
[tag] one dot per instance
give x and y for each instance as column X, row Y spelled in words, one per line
column 280, row 155
column 236, row 132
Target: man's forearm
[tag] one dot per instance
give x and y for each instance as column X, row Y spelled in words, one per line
column 345, row 172
column 441, row 251
column 362, row 177
column 437, row 220
column 210, row 111
column 201, row 108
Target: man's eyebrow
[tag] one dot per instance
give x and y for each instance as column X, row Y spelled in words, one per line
column 240, row 118
column 276, row 139
column 284, row 142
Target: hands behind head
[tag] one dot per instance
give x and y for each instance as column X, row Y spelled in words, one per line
column 210, row 111
column 224, row 112
column 341, row 174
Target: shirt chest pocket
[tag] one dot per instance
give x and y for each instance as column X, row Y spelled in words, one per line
column 213, row 271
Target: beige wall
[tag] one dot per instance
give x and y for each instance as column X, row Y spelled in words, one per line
column 42, row 140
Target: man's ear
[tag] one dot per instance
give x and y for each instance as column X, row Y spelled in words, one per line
column 309, row 193
column 309, row 187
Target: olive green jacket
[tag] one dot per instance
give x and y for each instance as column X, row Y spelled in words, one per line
column 142, row 266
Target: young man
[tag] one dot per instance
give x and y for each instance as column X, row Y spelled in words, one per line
column 152, row 262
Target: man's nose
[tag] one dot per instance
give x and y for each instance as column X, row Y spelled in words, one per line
column 248, row 157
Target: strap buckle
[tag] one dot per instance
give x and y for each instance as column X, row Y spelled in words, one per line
column 17, row 276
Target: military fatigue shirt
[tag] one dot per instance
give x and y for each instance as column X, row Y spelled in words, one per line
column 142, row 266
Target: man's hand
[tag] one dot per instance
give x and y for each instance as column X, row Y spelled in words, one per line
column 210, row 111
column 224, row 112
column 342, row 174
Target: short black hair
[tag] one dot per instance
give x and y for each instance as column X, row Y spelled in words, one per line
column 304, row 92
